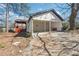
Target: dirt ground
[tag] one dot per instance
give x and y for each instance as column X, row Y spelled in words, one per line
column 11, row 45
column 41, row 44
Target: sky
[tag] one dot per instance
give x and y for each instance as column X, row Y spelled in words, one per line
column 36, row 7
column 39, row 7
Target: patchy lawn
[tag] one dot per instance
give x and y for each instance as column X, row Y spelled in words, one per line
column 53, row 44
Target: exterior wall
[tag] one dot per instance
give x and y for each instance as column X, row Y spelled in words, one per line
column 43, row 26
column 59, row 28
column 41, row 23
column 47, row 17
column 29, row 26
column 47, row 26
column 44, row 17
column 50, row 17
column 23, row 26
column 56, row 25
column 38, row 26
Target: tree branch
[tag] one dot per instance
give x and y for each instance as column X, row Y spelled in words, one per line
column 44, row 45
column 67, row 48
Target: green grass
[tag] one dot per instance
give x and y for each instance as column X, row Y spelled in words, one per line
column 2, row 45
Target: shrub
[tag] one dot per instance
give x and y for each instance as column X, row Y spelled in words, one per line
column 65, row 26
column 28, row 34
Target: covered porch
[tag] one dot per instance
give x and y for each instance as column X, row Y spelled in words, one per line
column 45, row 26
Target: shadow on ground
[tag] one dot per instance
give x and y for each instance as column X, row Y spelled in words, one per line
column 22, row 34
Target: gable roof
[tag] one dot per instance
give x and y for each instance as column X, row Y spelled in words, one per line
column 19, row 20
column 42, row 12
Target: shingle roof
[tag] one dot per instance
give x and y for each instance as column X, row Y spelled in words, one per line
column 20, row 21
column 42, row 12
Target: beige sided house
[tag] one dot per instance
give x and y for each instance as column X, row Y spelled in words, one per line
column 44, row 21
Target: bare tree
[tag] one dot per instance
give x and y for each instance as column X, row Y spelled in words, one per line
column 74, row 11
column 20, row 9
column 7, row 17
column 74, row 8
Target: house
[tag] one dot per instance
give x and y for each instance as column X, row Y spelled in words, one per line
column 20, row 25
column 44, row 21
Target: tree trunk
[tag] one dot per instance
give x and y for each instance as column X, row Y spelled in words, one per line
column 7, row 18
column 73, row 17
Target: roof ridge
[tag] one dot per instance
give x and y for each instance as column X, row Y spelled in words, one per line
column 45, row 11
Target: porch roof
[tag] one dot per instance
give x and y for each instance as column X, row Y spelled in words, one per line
column 42, row 12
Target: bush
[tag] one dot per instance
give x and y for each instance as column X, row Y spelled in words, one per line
column 65, row 26
column 77, row 25
column 28, row 34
